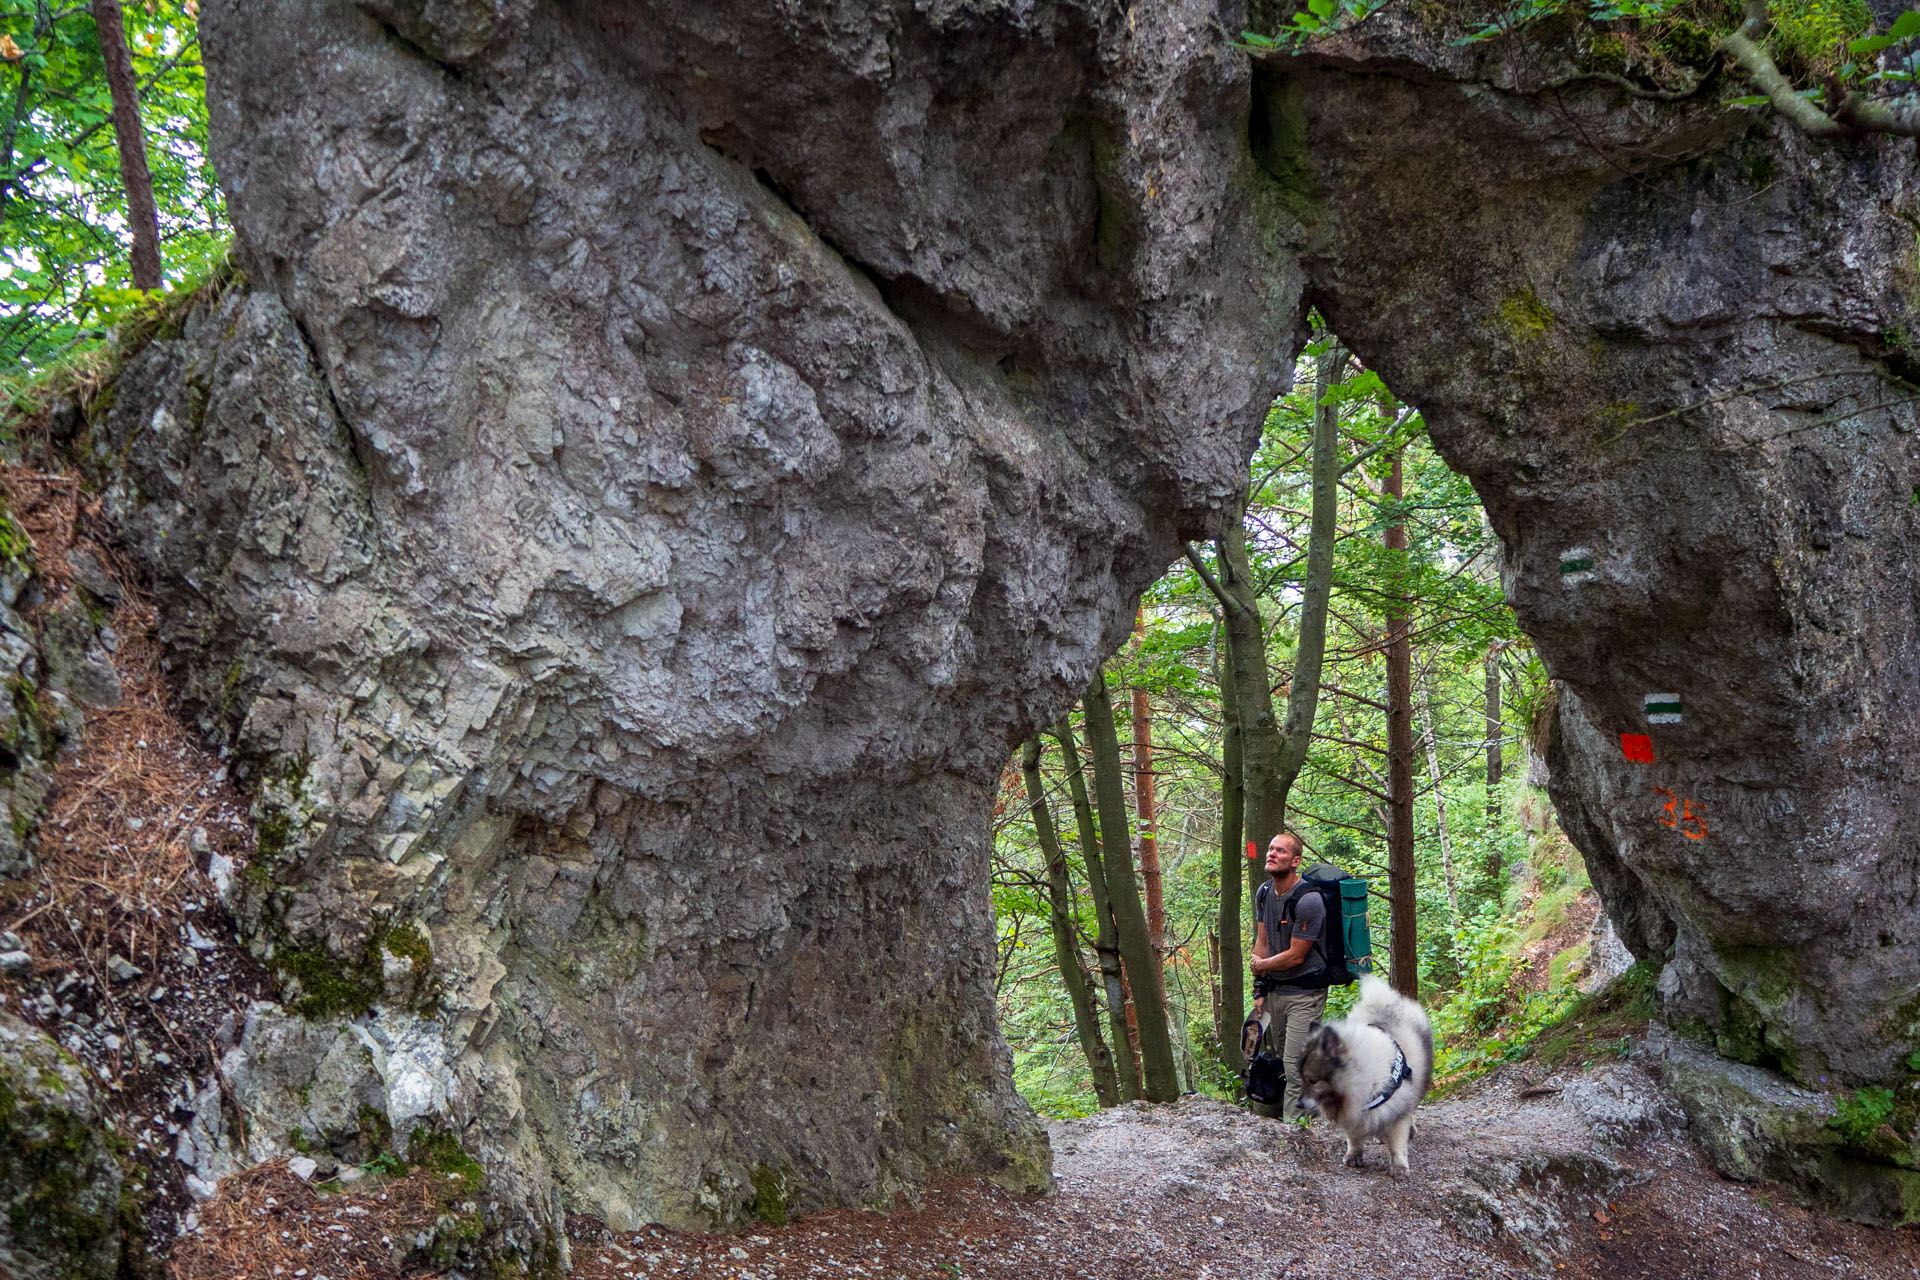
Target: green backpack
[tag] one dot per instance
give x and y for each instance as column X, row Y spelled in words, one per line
column 1348, row 944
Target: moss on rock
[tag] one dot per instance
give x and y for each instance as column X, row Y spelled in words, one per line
column 769, row 1195
column 1525, row 317
column 60, row 1184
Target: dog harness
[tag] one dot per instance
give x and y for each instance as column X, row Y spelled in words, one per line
column 1395, row 1077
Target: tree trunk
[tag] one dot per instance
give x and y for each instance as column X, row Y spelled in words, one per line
column 1144, row 813
column 1495, row 733
column 1105, row 945
column 1066, row 946
column 142, row 217
column 1233, row 973
column 1439, row 797
column 1265, row 803
column 1403, row 952
column 1310, row 657
column 1161, row 1080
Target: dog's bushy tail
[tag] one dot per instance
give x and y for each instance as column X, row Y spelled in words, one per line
column 1379, row 1003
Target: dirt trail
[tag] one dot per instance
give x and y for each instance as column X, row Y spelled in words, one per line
column 1584, row 1176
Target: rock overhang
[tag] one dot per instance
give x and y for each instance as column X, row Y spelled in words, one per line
column 718, row 436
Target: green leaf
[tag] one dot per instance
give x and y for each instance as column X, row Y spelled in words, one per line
column 1487, row 32
column 1869, row 44
column 1906, row 26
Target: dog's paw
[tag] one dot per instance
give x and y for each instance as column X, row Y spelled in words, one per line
column 1398, row 1169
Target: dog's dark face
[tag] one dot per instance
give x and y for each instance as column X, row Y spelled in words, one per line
column 1320, row 1068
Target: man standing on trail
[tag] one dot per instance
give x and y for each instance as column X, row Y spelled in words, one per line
column 1288, row 953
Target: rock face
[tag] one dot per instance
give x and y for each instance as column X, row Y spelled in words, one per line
column 59, row 1181
column 631, row 512
column 666, row 455
column 1756, row 1127
column 1669, row 343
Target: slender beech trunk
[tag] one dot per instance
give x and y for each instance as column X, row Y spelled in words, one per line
column 1105, row 945
column 1310, row 657
column 1160, row 1078
column 1439, row 796
column 1253, row 689
column 1066, row 946
column 1403, row 950
column 1233, row 973
column 142, row 217
column 1495, row 732
column 1143, row 809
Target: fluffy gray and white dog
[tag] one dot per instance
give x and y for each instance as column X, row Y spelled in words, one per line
column 1368, row 1071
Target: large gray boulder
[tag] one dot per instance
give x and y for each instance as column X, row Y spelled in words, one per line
column 1669, row 342
column 665, row 455
column 60, row 1210
column 629, row 513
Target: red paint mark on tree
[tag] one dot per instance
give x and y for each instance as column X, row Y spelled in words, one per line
column 1252, row 852
column 1637, row 747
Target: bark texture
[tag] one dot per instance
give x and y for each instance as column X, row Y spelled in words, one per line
column 670, row 454
column 143, row 219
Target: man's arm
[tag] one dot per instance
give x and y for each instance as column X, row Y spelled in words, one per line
column 1295, row 954
column 1309, row 921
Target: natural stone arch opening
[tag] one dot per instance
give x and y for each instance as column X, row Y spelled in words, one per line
column 647, row 491
column 1643, row 354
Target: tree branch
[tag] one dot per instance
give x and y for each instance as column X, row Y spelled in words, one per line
column 1853, row 112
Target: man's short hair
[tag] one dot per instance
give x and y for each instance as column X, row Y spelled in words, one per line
column 1299, row 845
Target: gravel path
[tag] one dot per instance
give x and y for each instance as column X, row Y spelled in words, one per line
column 1585, row 1176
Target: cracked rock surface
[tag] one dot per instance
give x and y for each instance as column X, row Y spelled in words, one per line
column 665, row 456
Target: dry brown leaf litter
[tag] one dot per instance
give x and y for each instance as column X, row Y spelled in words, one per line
column 117, row 877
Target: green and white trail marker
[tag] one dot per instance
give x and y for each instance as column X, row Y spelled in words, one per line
column 1663, row 708
column 1576, row 566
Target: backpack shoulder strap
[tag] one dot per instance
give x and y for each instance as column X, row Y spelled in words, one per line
column 1293, row 899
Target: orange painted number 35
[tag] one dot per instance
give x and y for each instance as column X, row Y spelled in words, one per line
column 1690, row 816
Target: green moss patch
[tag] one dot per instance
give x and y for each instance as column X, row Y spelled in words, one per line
column 324, row 985
column 56, row 1186
column 769, row 1195
column 1525, row 317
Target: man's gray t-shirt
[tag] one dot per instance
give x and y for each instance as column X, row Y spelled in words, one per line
column 1309, row 921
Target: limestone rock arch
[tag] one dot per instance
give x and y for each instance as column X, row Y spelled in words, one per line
column 665, row 455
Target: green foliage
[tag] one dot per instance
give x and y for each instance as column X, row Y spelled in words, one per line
column 1314, row 18
column 85, row 371
column 1448, row 578
column 386, row 1164
column 1811, row 36
column 1860, row 1113
column 64, row 253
